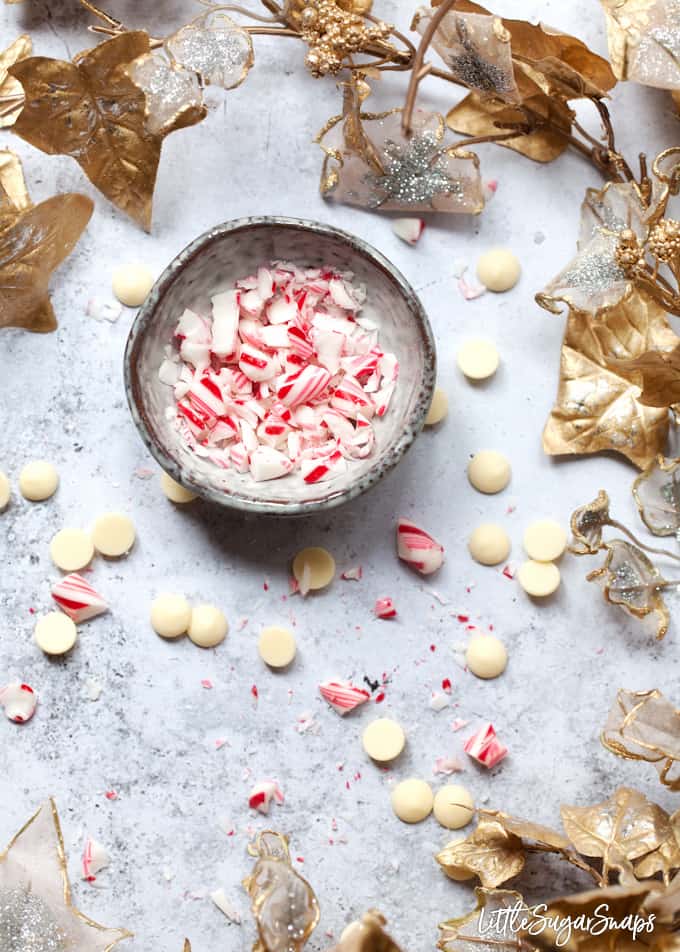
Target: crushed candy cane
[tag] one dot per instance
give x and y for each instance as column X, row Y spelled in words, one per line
column 417, row 548
column 353, row 574
column 447, row 766
column 408, row 229
column 459, row 724
column 283, row 376
column 75, row 596
column 484, row 747
column 219, row 897
column 384, row 608
column 343, row 696
column 439, row 701
column 262, row 795
column 19, row 702
column 95, row 858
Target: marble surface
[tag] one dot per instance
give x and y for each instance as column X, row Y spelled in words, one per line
column 151, row 734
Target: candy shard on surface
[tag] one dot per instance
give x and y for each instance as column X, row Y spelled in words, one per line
column 262, row 795
column 343, row 696
column 224, row 904
column 408, row 229
column 95, row 858
column 353, row 574
column 484, row 746
column 19, row 701
column 384, row 608
column 75, row 596
column 417, row 548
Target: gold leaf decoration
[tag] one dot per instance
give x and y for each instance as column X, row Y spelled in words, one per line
column 491, row 853
column 486, row 928
column 620, row 829
column 666, row 858
column 597, row 405
column 657, row 495
column 91, row 110
column 34, row 240
column 367, row 935
column 644, row 725
column 657, row 373
column 11, row 92
column 643, row 41
column 632, row 582
column 527, row 830
column 587, row 523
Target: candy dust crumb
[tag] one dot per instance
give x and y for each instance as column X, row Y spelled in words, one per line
column 352, row 574
column 433, row 648
column 111, row 795
column 220, row 742
column 265, row 585
column 459, row 724
column 446, row 685
column 599, row 651
column 143, row 472
column 255, row 693
column 509, row 570
column 207, row 684
column 380, row 697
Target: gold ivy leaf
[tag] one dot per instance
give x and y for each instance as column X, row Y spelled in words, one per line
column 34, row 240
column 657, row 495
column 367, row 935
column 490, row 852
column 665, row 858
column 618, row 830
column 631, row 581
column 483, row 931
column 640, row 38
column 11, row 93
column 644, row 725
column 587, row 523
column 657, row 373
column 91, row 110
column 526, row 830
column 597, row 405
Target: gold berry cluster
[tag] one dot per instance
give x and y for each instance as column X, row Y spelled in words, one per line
column 629, row 253
column 333, row 34
column 664, row 240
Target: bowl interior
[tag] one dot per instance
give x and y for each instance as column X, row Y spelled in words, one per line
column 211, row 264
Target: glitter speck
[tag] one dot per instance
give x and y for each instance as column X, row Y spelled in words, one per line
column 27, row 924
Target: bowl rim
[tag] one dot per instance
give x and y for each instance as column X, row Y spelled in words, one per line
column 381, row 466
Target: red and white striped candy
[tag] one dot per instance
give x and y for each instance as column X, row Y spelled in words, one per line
column 225, row 311
column 19, row 701
column 267, row 463
column 281, row 310
column 349, row 398
column 317, row 470
column 417, row 548
column 75, row 596
column 343, row 696
column 300, row 343
column 303, row 386
column 484, row 747
column 206, row 397
column 256, row 364
column 262, row 795
column 95, row 858
column 408, row 229
column 384, row 608
column 239, row 457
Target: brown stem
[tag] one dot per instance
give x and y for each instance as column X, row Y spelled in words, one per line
column 271, row 31
column 417, row 64
column 102, row 15
column 648, row 548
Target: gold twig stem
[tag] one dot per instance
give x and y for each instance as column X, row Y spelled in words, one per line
column 417, row 65
column 102, row 15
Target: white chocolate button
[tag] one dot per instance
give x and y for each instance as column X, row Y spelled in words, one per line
column 175, row 492
column 486, row 656
column 71, row 550
column 539, row 579
column 131, row 284
column 276, row 646
column 489, row 471
column 458, row 877
column 438, row 408
column 38, row 480
column 545, row 541
column 383, row 740
column 113, row 534
column 314, row 568
column 478, row 359
column 498, row 269
column 412, row 800
column 5, row 491
column 208, row 626
column 489, row 544
column 170, row 615
column 453, row 806
column 55, row 633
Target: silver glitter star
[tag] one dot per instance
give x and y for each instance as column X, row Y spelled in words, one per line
column 471, row 68
column 27, row 924
column 415, row 173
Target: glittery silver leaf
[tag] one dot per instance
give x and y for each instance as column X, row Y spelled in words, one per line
column 215, row 47
column 170, row 90
column 27, row 924
column 653, row 51
column 415, row 173
column 657, row 494
column 631, row 581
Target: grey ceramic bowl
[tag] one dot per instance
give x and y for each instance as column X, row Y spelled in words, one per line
column 211, row 263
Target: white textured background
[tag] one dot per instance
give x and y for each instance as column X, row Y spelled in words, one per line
column 150, row 736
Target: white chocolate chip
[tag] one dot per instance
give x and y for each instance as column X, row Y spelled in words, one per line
column 539, row 579
column 276, row 646
column 412, row 800
column 208, row 626
column 438, row 408
column 545, row 541
column 486, row 656
column 170, row 615
column 313, row 568
column 175, row 491
column 453, row 806
column 383, row 740
column 55, row 633
column 478, row 359
column 489, row 544
column 498, row 269
column 38, row 480
column 489, row 471
column 71, row 550
column 131, row 284
column 113, row 534
column 5, row 491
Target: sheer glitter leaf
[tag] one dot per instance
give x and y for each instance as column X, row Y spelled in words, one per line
column 91, row 110
column 657, row 373
column 657, row 495
column 283, row 903
column 215, row 47
column 174, row 98
column 643, row 725
column 587, row 523
column 631, row 581
column 644, row 41
column 481, row 930
column 11, row 92
column 491, row 853
column 598, row 406
column 34, row 240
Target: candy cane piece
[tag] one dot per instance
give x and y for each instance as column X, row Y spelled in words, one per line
column 19, row 701
column 417, row 548
column 262, row 795
column 343, row 696
column 484, row 747
column 75, row 596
